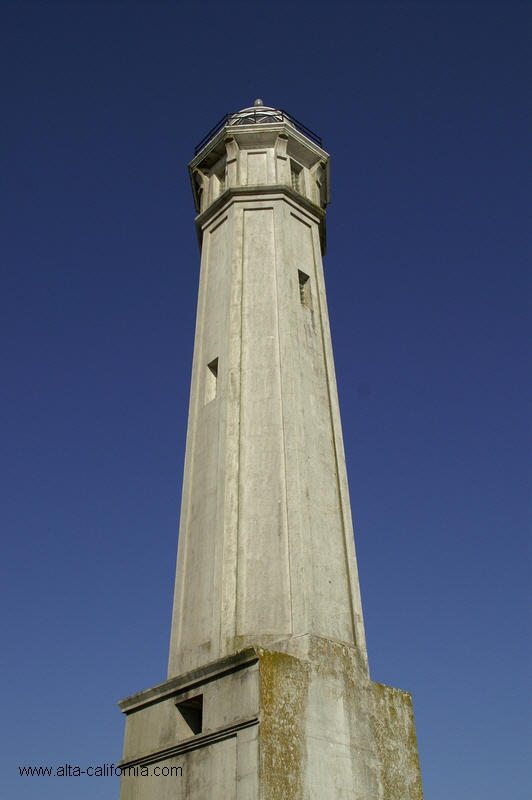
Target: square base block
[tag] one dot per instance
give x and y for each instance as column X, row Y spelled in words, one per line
column 298, row 722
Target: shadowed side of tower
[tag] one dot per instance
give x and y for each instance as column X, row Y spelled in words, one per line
column 268, row 693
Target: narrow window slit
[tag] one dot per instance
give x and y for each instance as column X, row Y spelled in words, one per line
column 295, row 176
column 304, row 289
column 192, row 712
column 211, row 381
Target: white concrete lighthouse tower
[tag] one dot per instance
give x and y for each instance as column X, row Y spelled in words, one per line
column 268, row 694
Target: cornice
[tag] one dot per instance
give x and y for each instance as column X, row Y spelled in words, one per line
column 189, row 680
column 235, row 193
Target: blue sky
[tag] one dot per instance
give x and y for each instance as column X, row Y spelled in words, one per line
column 425, row 110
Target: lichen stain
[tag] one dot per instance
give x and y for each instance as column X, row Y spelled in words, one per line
column 396, row 744
column 284, row 682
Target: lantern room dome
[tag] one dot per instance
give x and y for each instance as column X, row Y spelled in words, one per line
column 257, row 114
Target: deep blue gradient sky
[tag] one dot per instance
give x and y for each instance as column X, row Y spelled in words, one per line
column 425, row 109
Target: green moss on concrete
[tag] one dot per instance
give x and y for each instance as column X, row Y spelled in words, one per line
column 396, row 744
column 284, row 684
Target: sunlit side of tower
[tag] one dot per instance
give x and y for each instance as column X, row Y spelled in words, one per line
column 268, row 693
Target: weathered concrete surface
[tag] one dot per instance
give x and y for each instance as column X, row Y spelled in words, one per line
column 266, row 545
column 396, row 745
column 276, row 726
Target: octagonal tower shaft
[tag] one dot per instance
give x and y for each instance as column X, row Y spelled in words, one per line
column 266, row 550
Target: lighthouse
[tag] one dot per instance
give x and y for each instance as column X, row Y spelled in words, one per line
column 268, row 695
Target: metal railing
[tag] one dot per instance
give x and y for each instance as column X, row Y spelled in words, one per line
column 254, row 116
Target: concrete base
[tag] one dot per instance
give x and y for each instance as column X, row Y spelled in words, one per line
column 298, row 722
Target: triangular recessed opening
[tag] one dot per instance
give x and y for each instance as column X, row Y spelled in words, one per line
column 192, row 712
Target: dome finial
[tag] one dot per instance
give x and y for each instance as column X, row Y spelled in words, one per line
column 258, row 103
